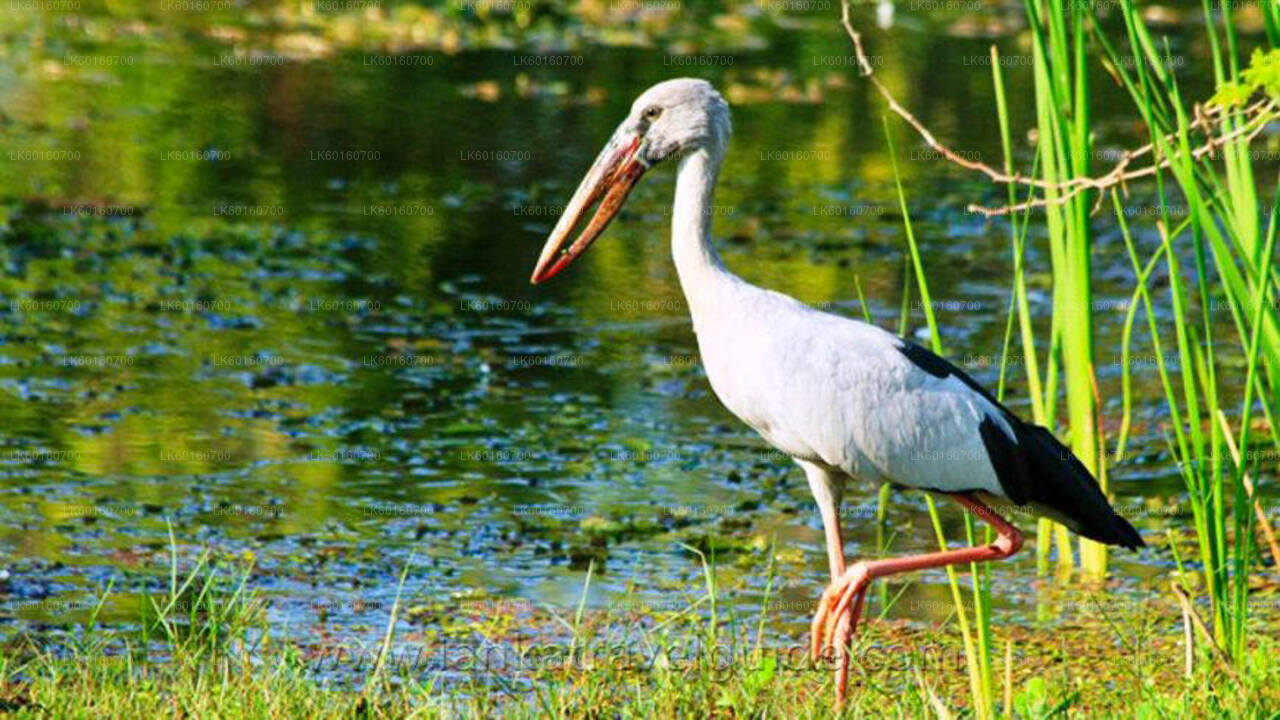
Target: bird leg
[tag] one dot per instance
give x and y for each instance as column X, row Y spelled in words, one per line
column 826, row 488
column 841, row 604
column 835, row 545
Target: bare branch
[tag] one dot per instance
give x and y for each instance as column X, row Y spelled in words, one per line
column 1118, row 175
column 1206, row 119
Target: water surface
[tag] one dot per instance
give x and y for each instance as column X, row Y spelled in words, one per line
column 276, row 303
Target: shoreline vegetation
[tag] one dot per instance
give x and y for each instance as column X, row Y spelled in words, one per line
column 204, row 648
column 1201, row 316
column 1209, row 164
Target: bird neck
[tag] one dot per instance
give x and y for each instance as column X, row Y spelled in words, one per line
column 697, row 262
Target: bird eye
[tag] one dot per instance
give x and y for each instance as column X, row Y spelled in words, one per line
column 652, row 113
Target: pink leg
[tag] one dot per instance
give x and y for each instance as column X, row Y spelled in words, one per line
column 847, row 625
column 841, row 605
column 824, row 621
column 835, row 559
column 826, row 492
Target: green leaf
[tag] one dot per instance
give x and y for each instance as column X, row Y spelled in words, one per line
column 1262, row 76
column 763, row 675
column 1030, row 702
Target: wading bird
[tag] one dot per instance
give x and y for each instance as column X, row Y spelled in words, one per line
column 843, row 398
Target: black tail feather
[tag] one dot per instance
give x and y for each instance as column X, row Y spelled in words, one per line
column 1033, row 467
column 1061, row 483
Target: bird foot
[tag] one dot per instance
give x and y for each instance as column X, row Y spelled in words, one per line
column 836, row 620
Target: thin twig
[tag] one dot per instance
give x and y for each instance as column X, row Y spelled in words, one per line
column 1118, row 176
column 1189, row 640
column 1190, row 612
column 1205, row 119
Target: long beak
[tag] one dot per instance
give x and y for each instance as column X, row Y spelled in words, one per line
column 611, row 177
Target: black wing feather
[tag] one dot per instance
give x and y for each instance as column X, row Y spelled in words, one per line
column 1033, row 467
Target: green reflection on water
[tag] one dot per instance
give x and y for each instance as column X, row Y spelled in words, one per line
column 285, row 303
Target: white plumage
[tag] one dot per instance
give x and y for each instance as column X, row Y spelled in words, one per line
column 834, row 392
column 839, row 394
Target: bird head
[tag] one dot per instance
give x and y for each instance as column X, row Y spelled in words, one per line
column 669, row 120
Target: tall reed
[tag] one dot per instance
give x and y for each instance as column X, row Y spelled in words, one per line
column 1058, row 52
column 1230, row 249
column 1225, row 213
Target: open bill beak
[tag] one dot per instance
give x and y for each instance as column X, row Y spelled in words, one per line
column 608, row 182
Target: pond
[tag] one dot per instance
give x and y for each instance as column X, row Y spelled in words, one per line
column 267, row 293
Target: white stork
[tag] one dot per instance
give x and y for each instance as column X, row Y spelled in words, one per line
column 843, row 398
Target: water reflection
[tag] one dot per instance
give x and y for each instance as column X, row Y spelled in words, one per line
column 282, row 305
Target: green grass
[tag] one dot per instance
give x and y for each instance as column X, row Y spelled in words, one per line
column 1124, row 661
